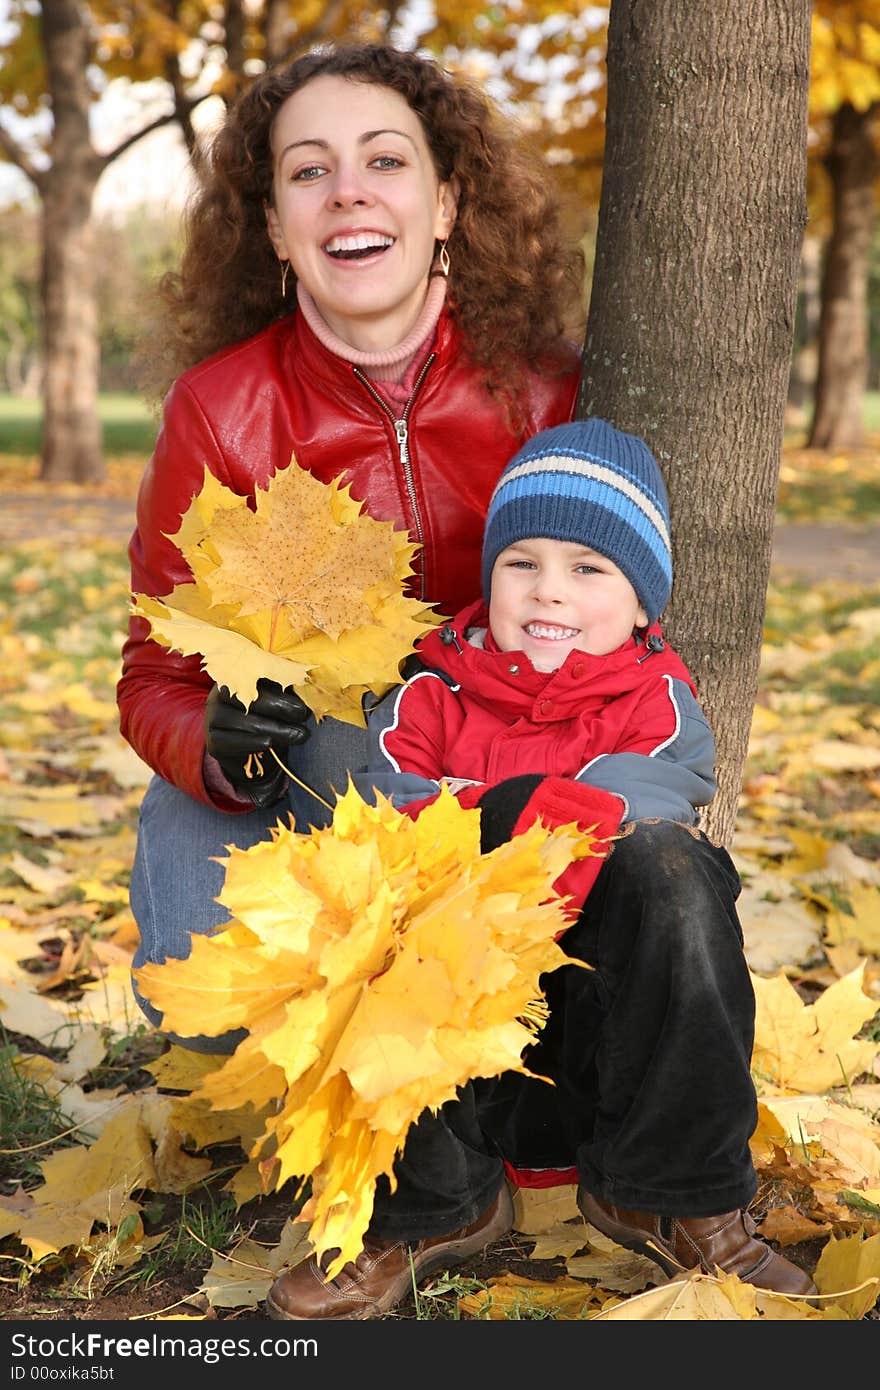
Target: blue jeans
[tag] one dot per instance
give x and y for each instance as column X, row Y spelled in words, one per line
column 175, row 880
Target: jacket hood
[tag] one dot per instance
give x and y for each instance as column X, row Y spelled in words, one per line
column 508, row 682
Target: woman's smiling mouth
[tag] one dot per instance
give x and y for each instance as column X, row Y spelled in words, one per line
column 358, row 245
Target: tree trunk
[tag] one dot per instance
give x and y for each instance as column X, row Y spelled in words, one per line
column 804, row 367
column 71, row 445
column 234, row 42
column 852, row 165
column 183, row 105
column 691, row 319
column 276, row 31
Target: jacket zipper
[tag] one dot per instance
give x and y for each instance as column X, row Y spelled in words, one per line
column 401, row 429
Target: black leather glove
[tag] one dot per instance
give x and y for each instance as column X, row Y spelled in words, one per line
column 240, row 739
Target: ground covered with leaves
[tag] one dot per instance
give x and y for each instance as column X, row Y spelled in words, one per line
column 121, row 1199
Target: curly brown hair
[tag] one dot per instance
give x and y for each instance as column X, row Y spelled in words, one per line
column 514, row 277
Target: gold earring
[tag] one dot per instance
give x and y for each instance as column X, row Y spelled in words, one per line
column 444, row 259
column 285, row 267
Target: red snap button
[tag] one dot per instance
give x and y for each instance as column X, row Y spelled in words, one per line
column 578, row 670
column 546, row 706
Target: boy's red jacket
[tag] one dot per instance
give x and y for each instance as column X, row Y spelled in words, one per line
column 615, row 738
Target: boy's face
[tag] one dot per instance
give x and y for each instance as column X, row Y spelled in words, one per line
column 549, row 598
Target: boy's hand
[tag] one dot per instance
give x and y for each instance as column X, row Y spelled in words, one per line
column 241, row 739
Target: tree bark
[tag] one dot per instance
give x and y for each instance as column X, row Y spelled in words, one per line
column 689, row 335
column 71, row 445
column 842, row 377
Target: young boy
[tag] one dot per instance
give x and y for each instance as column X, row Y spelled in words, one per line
column 556, row 696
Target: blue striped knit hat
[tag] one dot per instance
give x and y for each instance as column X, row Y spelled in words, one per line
column 590, row 483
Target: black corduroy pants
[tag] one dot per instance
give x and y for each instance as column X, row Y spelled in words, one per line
column 649, row 1051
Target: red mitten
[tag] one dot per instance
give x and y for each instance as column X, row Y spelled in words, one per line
column 561, row 801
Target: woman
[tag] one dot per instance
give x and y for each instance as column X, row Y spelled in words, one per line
column 374, row 283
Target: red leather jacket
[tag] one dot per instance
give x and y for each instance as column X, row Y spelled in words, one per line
column 244, row 412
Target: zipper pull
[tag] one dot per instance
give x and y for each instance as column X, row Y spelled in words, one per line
column 402, row 430
column 449, row 638
column 653, row 644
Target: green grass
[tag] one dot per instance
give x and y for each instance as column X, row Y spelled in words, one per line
column 129, row 424
column 34, row 1124
column 207, row 1224
column 871, row 412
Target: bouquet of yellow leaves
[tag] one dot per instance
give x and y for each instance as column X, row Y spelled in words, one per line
column 377, row 964
column 305, row 590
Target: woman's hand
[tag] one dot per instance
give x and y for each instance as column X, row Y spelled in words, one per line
column 241, row 739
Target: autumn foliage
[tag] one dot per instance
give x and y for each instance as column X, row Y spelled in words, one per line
column 377, row 964
column 305, row 590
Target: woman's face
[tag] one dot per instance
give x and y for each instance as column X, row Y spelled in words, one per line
column 357, row 207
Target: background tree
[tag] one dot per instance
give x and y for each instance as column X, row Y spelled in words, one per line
column 691, row 318
column 546, row 63
column 134, row 253
column 19, row 282
column 55, row 63
column 844, row 102
column 49, row 68
column 60, row 54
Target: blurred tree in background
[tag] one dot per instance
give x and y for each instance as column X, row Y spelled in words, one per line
column 844, row 101
column 131, row 253
column 20, row 355
column 545, row 60
column 57, row 57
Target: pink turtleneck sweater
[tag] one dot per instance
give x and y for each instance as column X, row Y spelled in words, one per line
column 394, row 369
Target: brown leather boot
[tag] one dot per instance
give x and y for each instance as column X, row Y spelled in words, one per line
column 713, row 1242
column 383, row 1273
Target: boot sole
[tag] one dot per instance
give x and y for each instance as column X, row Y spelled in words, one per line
column 444, row 1257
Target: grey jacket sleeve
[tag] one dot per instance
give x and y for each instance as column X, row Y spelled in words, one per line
column 672, row 780
column 383, row 773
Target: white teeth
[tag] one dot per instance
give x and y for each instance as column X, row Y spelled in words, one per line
column 552, row 634
column 361, row 241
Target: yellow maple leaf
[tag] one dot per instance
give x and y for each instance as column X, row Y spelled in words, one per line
column 378, row 964
column 537, row 1209
column 614, row 1269
column 697, row 1297
column 305, row 589
column 511, row 1298
column 861, row 924
column 243, row 1277
column 810, row 1047
column 85, row 1185
column 848, row 1270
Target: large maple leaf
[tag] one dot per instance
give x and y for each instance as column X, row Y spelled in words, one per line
column 304, row 589
column 378, row 964
column 811, row 1047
